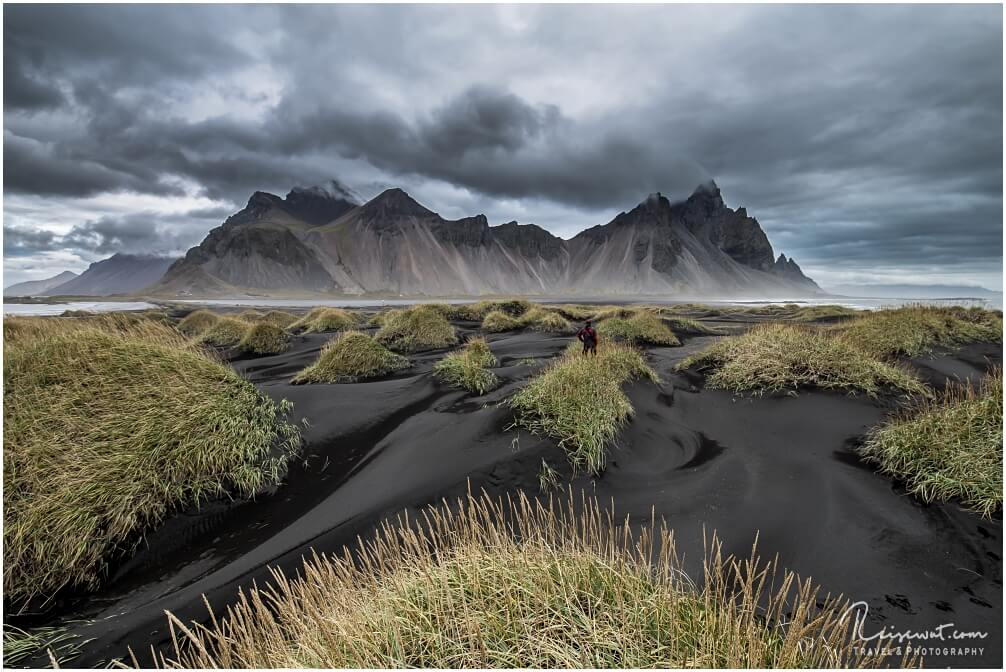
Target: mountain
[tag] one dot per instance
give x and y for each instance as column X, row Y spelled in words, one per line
column 38, row 287
column 903, row 291
column 317, row 240
column 119, row 274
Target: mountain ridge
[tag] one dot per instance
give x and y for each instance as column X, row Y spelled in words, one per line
column 392, row 244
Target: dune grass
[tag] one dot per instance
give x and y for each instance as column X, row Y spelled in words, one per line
column 515, row 583
column 539, row 318
column 324, row 319
column 19, row 646
column 823, row 313
column 109, row 425
column 225, row 332
column 950, row 448
column 418, row 328
column 579, row 401
column 641, row 328
column 197, row 322
column 914, row 330
column 280, row 318
column 497, row 321
column 785, row 357
column 264, row 338
column 250, row 315
column 468, row 368
column 622, row 312
column 378, row 319
column 574, row 311
column 351, row 356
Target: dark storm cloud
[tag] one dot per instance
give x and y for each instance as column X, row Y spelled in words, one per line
column 857, row 135
column 19, row 242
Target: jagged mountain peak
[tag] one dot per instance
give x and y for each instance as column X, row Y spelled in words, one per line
column 330, row 190
column 395, row 202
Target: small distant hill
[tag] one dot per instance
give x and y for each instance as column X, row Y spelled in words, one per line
column 902, row 291
column 38, row 287
column 119, row 274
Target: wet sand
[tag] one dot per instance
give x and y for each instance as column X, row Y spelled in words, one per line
column 779, row 467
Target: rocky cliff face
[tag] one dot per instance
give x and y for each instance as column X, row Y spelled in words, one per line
column 315, row 240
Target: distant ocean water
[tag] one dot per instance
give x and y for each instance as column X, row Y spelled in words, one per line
column 849, row 302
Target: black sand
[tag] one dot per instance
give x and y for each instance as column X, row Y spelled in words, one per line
column 779, row 467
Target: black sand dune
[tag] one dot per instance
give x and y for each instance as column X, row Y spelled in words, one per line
column 780, row 467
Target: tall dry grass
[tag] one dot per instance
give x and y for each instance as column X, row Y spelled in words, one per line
column 579, row 401
column 110, row 424
column 516, row 582
column 948, row 448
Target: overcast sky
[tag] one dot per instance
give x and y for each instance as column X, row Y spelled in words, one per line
column 867, row 140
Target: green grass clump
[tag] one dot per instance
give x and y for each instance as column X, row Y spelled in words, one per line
column 418, row 328
column 497, row 321
column 280, row 318
column 469, row 312
column 109, row 426
column 264, row 339
column 575, row 311
column 948, row 448
column 621, row 312
column 641, row 328
column 250, row 315
column 518, row 583
column 19, row 646
column 378, row 319
column 539, row 318
column 197, row 322
column 469, row 367
column 225, row 332
column 323, row 319
column 579, row 401
column 349, row 357
column 914, row 330
column 823, row 313
column 777, row 357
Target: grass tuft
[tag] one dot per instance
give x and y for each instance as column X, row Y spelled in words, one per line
column 948, row 448
column 349, row 357
column 111, row 424
column 264, row 339
column 540, row 318
column 914, row 330
column 418, row 328
column 280, row 318
column 250, row 315
column 197, row 322
column 225, row 332
column 19, row 646
column 639, row 329
column 786, row 357
column 517, row 583
column 324, row 319
column 469, row 367
column 579, row 401
column 497, row 321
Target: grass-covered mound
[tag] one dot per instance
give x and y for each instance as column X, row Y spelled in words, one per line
column 497, row 321
column 225, row 332
column 914, row 330
column 250, row 315
column 517, row 584
column 418, row 328
column 351, row 356
column 948, row 448
column 575, row 311
column 641, row 328
column 197, row 322
column 622, row 312
column 539, row 318
column 785, row 357
column 469, row 367
column 280, row 318
column 579, row 401
column 323, row 319
column 264, row 339
column 108, row 427
column 378, row 319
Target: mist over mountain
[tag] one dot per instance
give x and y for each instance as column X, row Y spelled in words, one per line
column 38, row 287
column 119, row 274
column 320, row 240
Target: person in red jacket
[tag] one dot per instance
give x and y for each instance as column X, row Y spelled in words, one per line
column 588, row 336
